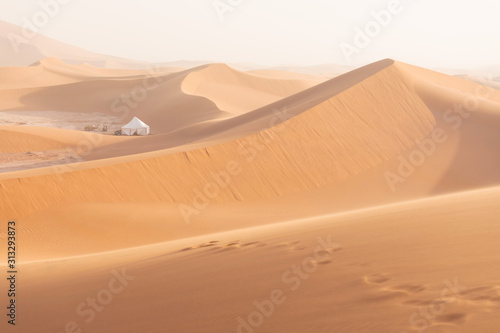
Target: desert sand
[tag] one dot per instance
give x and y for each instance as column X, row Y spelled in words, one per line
column 263, row 201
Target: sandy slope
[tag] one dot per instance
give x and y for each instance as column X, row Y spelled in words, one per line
column 169, row 98
column 337, row 146
column 212, row 185
column 329, row 143
column 398, row 268
column 15, row 142
column 239, row 93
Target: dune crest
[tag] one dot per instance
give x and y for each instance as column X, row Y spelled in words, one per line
column 238, row 92
column 346, row 143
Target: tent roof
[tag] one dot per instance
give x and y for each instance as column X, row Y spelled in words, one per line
column 136, row 123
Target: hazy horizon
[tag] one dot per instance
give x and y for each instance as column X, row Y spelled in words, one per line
column 450, row 34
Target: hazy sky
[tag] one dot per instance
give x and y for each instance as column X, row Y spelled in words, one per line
column 429, row 33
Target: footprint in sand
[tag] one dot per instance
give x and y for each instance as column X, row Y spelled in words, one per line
column 377, row 278
column 254, row 244
column 223, row 247
column 296, row 247
column 382, row 278
column 230, row 246
column 456, row 318
column 482, row 293
column 441, row 324
column 323, row 262
column 389, row 291
column 487, row 297
column 199, row 246
column 238, row 245
column 407, row 288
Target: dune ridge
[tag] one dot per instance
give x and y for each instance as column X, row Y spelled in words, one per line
column 298, row 179
column 333, row 136
column 265, row 200
column 345, row 152
column 326, row 142
column 155, row 95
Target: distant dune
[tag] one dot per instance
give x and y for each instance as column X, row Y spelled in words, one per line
column 19, row 50
column 237, row 92
column 160, row 96
column 335, row 140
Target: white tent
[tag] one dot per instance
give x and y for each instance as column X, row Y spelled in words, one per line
column 136, row 126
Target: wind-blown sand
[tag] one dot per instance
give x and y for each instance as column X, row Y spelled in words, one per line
column 248, row 174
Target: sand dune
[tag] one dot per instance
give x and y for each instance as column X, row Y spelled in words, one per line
column 157, row 96
column 15, row 142
column 374, row 270
column 336, row 141
column 394, row 167
column 342, row 154
column 54, row 72
column 20, row 48
column 239, row 93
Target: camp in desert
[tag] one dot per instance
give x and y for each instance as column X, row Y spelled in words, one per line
column 246, row 167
